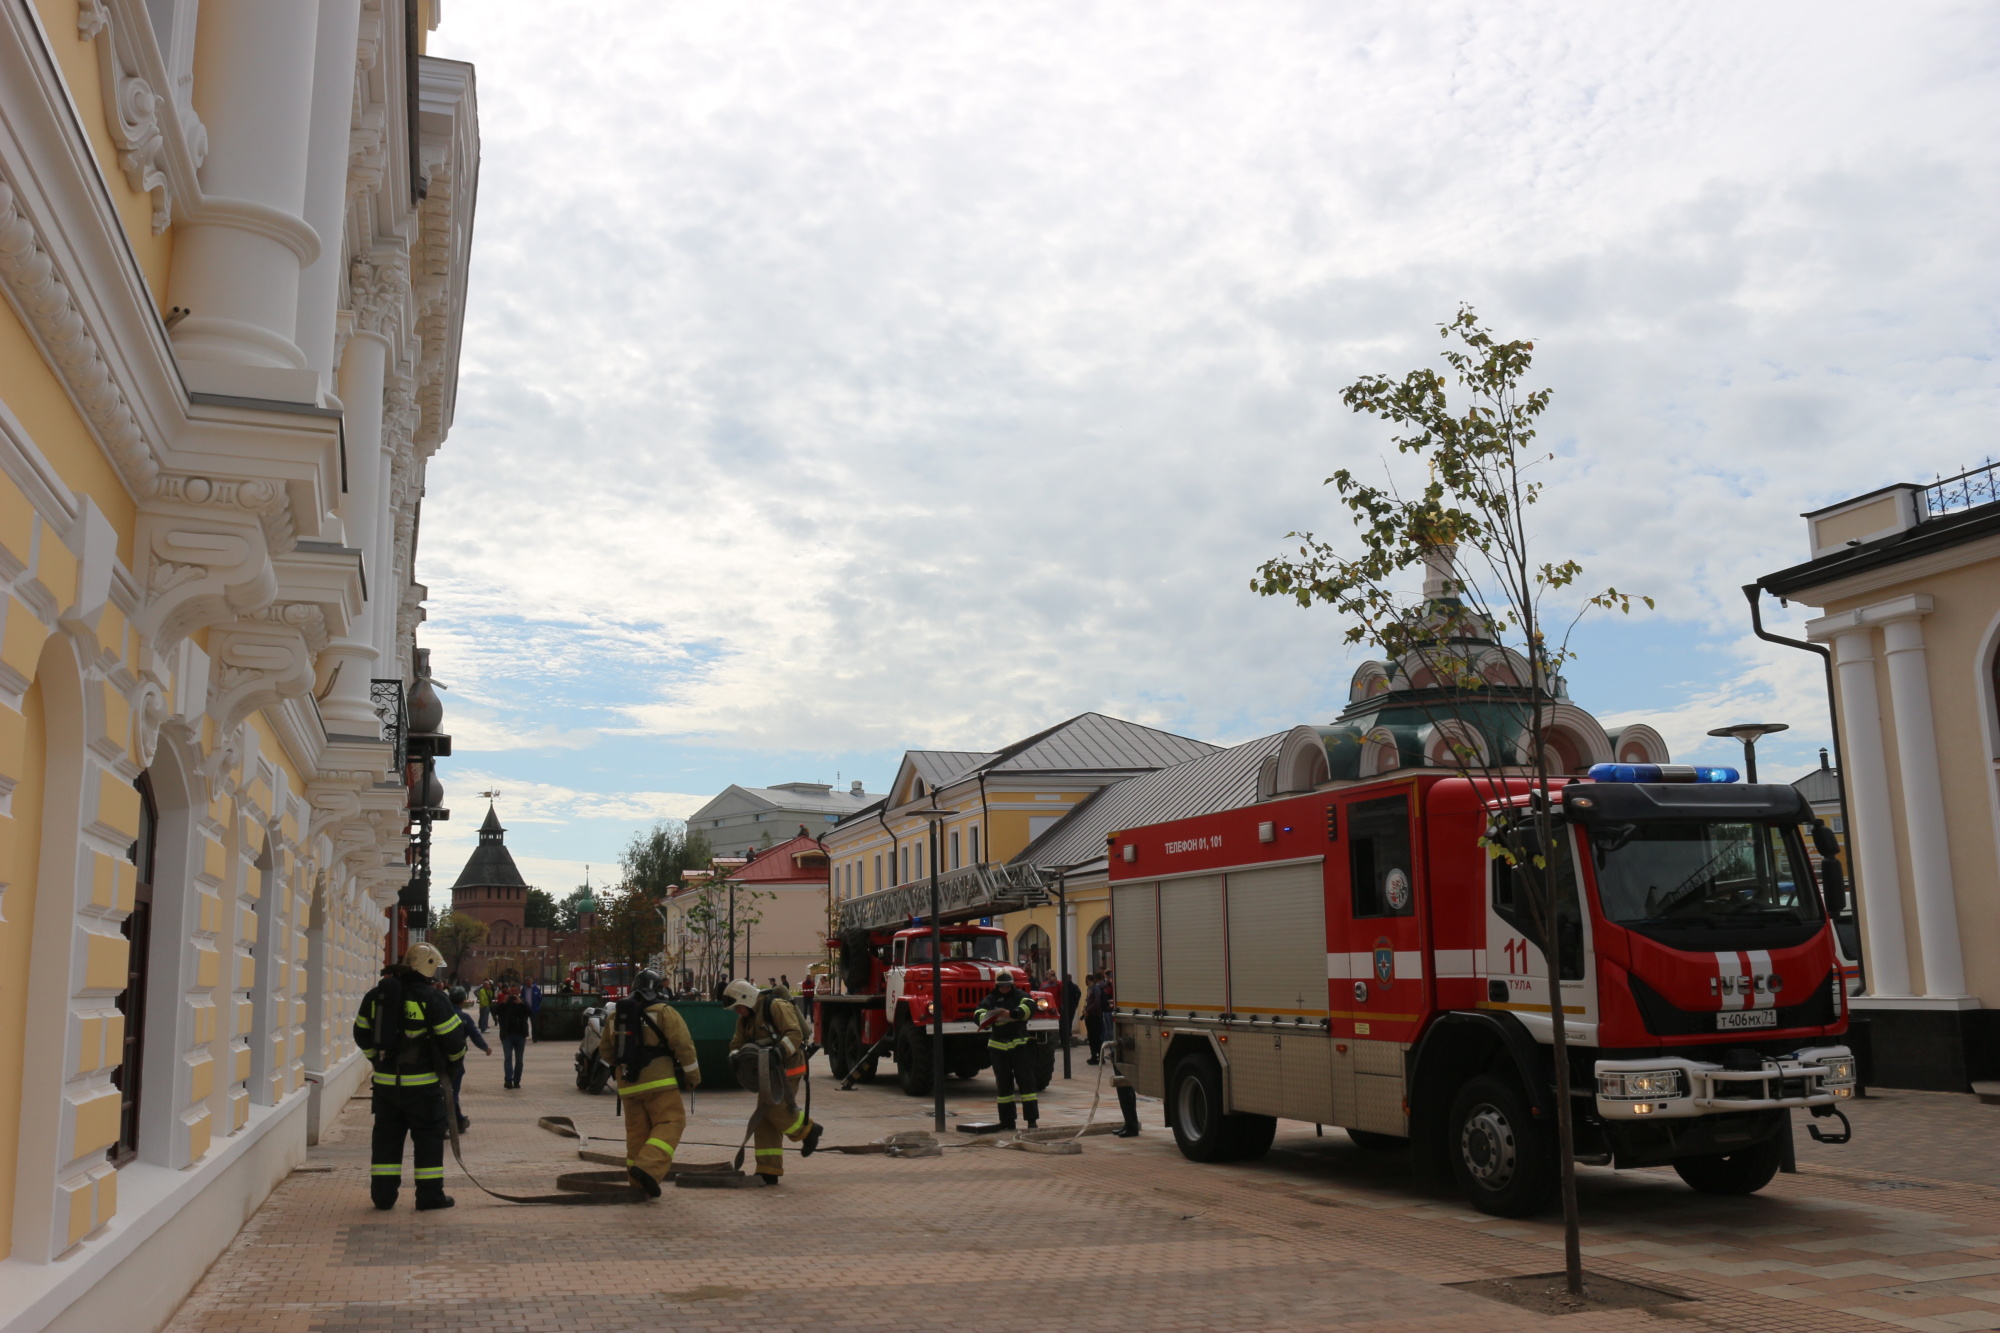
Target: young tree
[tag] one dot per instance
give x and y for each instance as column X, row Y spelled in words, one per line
column 1478, row 633
column 456, row 936
column 657, row 859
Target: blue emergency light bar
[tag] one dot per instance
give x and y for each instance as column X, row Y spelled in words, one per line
column 1660, row 773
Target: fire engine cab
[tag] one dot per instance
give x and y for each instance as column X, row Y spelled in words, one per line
column 1358, row 957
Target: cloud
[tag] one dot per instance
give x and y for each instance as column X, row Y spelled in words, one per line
column 849, row 377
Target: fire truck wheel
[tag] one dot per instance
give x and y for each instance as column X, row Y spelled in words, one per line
column 1201, row 1129
column 1504, row 1162
column 1044, row 1056
column 913, row 1058
column 839, row 1037
column 1743, row 1172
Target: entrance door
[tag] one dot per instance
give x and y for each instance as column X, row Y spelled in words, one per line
column 1516, row 971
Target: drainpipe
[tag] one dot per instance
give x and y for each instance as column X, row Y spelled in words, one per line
column 895, row 847
column 1751, row 594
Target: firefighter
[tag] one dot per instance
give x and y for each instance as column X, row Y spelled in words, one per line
column 1005, row 1014
column 410, row 1033
column 767, row 1019
column 647, row 1042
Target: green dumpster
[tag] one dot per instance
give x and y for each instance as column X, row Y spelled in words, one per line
column 711, row 1024
column 561, row 1016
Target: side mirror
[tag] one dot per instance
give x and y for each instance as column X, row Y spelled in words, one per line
column 1832, row 884
column 1824, row 842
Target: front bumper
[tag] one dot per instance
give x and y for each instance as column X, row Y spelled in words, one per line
column 950, row 1029
column 1800, row 1079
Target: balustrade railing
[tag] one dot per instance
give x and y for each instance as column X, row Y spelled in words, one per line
column 1968, row 490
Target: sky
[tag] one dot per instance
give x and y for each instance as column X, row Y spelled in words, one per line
column 841, row 378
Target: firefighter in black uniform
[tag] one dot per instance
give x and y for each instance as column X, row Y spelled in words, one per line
column 1005, row 1014
column 408, row 1029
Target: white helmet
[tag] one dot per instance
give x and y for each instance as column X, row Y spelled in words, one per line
column 740, row 992
column 424, row 960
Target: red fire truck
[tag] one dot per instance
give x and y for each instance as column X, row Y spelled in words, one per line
column 883, row 1004
column 611, row 980
column 1356, row 957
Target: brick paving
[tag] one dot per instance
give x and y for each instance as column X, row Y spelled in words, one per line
column 1899, row 1229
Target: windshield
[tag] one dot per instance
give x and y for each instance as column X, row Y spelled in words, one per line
column 1692, row 873
column 977, row 948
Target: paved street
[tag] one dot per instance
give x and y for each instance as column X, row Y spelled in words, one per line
column 1900, row 1229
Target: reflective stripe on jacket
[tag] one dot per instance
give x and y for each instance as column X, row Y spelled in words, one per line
column 1015, row 1006
column 658, row 1072
column 427, row 1017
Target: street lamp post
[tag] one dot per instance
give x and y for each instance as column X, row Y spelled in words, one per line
column 1748, row 733
column 935, row 818
column 1063, row 1018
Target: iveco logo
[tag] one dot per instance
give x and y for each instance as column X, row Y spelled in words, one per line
column 1758, row 984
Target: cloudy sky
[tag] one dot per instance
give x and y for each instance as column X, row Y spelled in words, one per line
column 842, row 378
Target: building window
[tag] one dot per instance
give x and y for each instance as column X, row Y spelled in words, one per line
column 904, row 876
column 975, row 844
column 1100, row 946
column 954, row 856
column 1031, row 950
column 923, row 866
column 138, row 929
column 878, row 871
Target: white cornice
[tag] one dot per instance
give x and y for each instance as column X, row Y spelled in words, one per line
column 1918, row 567
column 1907, row 607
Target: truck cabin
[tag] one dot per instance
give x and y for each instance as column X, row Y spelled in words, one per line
column 971, row 944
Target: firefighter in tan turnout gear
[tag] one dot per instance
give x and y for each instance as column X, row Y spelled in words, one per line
column 767, row 1020
column 648, row 1044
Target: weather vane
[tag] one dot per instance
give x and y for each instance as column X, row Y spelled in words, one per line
column 490, row 795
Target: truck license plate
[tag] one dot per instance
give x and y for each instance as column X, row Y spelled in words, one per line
column 1737, row 1019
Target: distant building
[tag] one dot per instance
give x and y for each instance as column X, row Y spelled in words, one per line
column 783, row 887
column 743, row 820
column 1908, row 580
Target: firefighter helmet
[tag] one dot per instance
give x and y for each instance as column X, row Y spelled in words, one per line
column 740, row 993
column 1005, row 978
column 424, row 960
column 648, row 982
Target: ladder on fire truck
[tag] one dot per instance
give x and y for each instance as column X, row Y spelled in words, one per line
column 965, row 894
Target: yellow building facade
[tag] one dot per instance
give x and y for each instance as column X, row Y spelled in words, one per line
column 1001, row 803
column 233, row 249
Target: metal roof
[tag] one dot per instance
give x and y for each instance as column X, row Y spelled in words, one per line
column 939, row 768
column 1820, row 785
column 1094, row 741
column 830, row 802
column 1222, row 780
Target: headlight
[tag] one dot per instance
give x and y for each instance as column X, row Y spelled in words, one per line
column 1041, row 1003
column 1840, row 1071
column 1642, row 1085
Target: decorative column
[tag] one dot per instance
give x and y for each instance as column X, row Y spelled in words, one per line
column 237, row 259
column 1888, row 963
column 1923, row 806
column 326, row 187
column 348, row 709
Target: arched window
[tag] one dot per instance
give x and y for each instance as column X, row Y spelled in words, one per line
column 1100, row 946
column 1031, row 950
column 138, row 929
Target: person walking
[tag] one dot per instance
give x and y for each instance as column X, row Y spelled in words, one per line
column 1005, row 1014
column 534, row 1008
column 510, row 1011
column 768, row 1019
column 410, row 1034
column 485, row 997
column 459, row 999
column 1067, row 998
column 647, row 1043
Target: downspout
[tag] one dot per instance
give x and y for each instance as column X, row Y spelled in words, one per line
column 985, row 823
column 1751, row 593
column 895, row 847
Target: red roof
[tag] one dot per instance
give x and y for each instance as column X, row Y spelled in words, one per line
column 786, row 863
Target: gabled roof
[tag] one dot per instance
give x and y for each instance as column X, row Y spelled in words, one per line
column 1820, row 785
column 812, row 797
column 491, row 865
column 780, row 864
column 1221, row 780
column 939, row 767
column 1094, row 741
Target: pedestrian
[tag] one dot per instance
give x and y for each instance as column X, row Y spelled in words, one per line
column 1067, row 999
column 510, row 1011
column 808, row 991
column 1005, row 1014
column 1128, row 1096
column 459, row 1000
column 411, row 1035
column 768, row 1019
column 648, row 1044
column 1093, row 1015
column 534, row 1008
column 485, row 997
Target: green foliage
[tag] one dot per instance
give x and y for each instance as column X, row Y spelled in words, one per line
column 657, row 859
column 457, row 935
column 538, row 909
